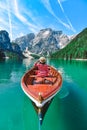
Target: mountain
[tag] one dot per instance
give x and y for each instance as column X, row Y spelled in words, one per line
column 24, row 41
column 48, row 41
column 7, row 49
column 45, row 42
column 5, row 41
column 76, row 49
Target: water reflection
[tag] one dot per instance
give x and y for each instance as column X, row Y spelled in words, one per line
column 68, row 113
column 64, row 92
column 27, row 62
column 73, row 110
column 30, row 118
column 9, row 70
column 68, row 110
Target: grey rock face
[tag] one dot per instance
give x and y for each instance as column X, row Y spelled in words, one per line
column 24, row 41
column 48, row 41
column 5, row 41
column 45, row 42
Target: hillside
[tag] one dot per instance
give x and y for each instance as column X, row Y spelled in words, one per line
column 77, row 48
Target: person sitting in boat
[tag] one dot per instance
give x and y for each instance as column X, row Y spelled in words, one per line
column 42, row 67
column 42, row 71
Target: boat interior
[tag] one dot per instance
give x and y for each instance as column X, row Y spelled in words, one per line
column 32, row 79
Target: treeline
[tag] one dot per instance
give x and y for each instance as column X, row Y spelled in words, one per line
column 77, row 48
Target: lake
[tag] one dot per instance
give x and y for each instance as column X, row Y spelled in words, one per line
column 68, row 110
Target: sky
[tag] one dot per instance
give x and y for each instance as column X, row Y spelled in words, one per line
column 21, row 17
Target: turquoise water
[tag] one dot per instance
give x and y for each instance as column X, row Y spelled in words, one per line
column 68, row 111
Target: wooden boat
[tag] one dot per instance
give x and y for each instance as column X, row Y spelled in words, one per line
column 41, row 90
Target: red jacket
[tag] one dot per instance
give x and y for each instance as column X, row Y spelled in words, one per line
column 43, row 69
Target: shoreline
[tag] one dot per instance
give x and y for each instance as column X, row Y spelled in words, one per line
column 81, row 59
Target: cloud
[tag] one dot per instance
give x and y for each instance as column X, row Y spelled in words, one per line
column 17, row 13
column 13, row 17
column 5, row 20
column 16, row 16
column 32, row 15
column 47, row 5
column 72, row 28
column 3, row 12
column 60, row 5
column 9, row 17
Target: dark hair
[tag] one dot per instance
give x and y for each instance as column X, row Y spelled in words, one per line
column 42, row 63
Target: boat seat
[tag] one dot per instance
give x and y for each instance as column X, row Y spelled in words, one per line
column 45, row 80
column 51, row 79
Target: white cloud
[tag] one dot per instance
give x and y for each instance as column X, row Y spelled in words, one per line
column 33, row 17
column 20, row 34
column 71, row 27
column 46, row 3
column 22, row 18
column 12, row 18
column 16, row 18
column 9, row 18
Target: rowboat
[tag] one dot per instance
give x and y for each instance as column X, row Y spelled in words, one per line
column 41, row 90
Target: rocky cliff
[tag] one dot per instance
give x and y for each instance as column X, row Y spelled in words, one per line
column 24, row 41
column 48, row 41
column 45, row 42
column 6, row 47
column 5, row 41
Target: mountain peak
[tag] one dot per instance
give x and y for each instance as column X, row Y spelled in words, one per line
column 45, row 42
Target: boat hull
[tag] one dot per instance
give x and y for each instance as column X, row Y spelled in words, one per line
column 40, row 102
column 41, row 93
